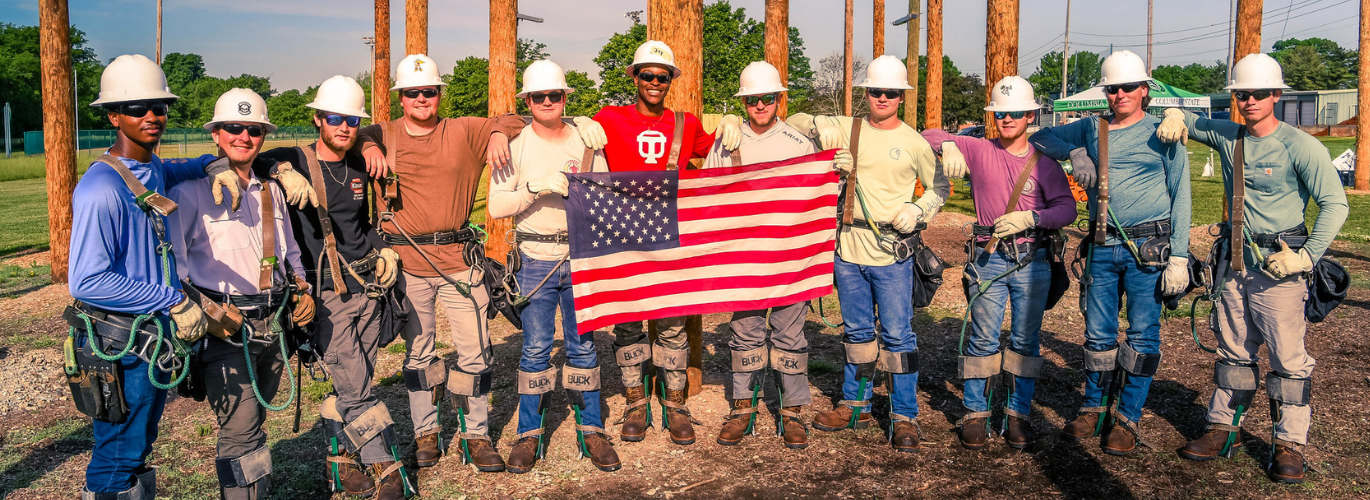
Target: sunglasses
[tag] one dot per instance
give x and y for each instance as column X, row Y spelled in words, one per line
column 140, row 109
column 767, row 99
column 1016, row 115
column 415, row 93
column 888, row 93
column 1126, row 87
column 238, row 128
column 334, row 120
column 1260, row 95
column 650, row 77
column 554, row 97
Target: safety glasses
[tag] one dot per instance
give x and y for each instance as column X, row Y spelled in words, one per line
column 554, row 97
column 1016, row 115
column 334, row 120
column 415, row 93
column 238, row 128
column 767, row 99
column 140, row 109
column 1125, row 87
column 888, row 93
column 1260, row 95
column 650, row 77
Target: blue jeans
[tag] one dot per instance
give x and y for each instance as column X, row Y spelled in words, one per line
column 1027, row 288
column 539, row 331
column 1115, row 272
column 859, row 290
column 121, row 450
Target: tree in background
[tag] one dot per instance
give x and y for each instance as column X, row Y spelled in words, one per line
column 1194, row 77
column 1084, row 72
column 615, row 86
column 963, row 96
column 21, row 86
column 1316, row 64
column 825, row 97
column 468, row 85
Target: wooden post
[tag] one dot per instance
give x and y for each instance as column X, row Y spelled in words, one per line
column 503, row 52
column 933, row 87
column 1363, row 102
column 1150, row 4
column 847, row 60
column 380, row 69
column 1248, row 41
column 59, row 132
column 1001, row 50
column 911, row 63
column 159, row 32
column 778, row 47
column 878, row 28
column 415, row 27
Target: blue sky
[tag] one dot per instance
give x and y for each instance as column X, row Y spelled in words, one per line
column 298, row 43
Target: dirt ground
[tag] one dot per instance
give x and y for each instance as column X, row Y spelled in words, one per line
column 45, row 444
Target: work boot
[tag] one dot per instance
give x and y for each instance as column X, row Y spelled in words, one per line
column 796, row 434
column 635, row 416
column 904, row 436
column 389, row 486
column 354, row 480
column 1083, row 426
column 1120, row 441
column 973, row 435
column 735, row 427
column 484, row 455
column 682, row 432
column 602, row 452
column 426, row 449
column 1019, row 434
column 1210, row 445
column 523, row 455
column 1286, row 463
column 839, row 418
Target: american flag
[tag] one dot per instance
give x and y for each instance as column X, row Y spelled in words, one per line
column 649, row 245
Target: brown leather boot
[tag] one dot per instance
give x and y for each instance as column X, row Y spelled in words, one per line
column 390, row 484
column 484, row 455
column 796, row 434
column 1083, row 426
column 904, row 437
column 973, row 435
column 735, row 427
column 1286, row 463
column 1019, row 434
column 602, row 452
column 1210, row 445
column 354, row 480
column 523, row 455
column 839, row 418
column 1120, row 441
column 678, row 417
column 635, row 415
column 427, row 449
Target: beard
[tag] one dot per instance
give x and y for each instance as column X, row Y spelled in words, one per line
column 338, row 145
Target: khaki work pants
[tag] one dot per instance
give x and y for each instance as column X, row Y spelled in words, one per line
column 470, row 337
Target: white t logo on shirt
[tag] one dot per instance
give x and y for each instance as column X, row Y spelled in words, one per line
column 651, row 145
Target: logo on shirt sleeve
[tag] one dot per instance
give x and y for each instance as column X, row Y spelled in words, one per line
column 651, row 145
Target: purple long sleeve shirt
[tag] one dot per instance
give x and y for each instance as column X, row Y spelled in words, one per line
column 993, row 173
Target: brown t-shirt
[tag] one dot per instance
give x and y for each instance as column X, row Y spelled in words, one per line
column 439, row 173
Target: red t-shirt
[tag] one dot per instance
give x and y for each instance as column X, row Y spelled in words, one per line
column 638, row 142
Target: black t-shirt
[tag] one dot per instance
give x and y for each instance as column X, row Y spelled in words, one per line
column 346, row 184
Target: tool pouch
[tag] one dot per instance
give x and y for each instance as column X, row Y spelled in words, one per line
column 927, row 270
column 97, row 388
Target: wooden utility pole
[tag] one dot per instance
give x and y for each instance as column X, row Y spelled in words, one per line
column 380, row 67
column 1001, row 50
column 1248, row 40
column 778, row 47
column 416, row 27
column 933, row 87
column 847, row 59
column 59, row 129
column 159, row 32
column 1065, row 55
column 911, row 63
column 1363, row 102
column 878, row 28
column 1149, row 19
column 503, row 52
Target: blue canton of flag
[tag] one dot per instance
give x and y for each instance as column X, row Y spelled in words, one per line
column 621, row 212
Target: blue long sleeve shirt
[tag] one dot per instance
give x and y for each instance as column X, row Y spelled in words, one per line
column 114, row 263
column 1148, row 179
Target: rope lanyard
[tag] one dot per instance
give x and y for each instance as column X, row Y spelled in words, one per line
column 285, row 356
column 1215, row 293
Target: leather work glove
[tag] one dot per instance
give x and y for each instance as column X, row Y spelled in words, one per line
column 907, row 219
column 554, row 183
column 1172, row 127
column 1176, row 276
column 298, row 190
column 388, row 267
column 591, row 132
column 1085, row 172
column 1014, row 223
column 1288, row 262
column 730, row 131
column 190, row 320
column 303, row 312
column 224, row 177
column 843, row 162
column 953, row 162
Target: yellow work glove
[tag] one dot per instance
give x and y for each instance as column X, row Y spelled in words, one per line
column 730, row 132
column 843, row 162
column 303, row 312
column 953, row 162
column 387, row 268
column 907, row 219
column 1172, row 127
column 591, row 133
column 1287, row 262
column 554, row 183
column 1176, row 276
column 224, row 178
column 1014, row 223
column 298, row 190
column 190, row 320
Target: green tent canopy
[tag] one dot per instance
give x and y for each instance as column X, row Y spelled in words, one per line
column 1163, row 95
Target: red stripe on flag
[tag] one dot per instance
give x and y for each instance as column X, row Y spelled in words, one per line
column 788, row 181
column 669, row 312
column 738, row 257
column 760, row 207
column 758, row 232
column 724, row 171
column 702, row 285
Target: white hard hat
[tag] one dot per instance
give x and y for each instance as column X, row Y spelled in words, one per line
column 759, row 78
column 1257, row 72
column 653, row 52
column 1122, row 67
column 1012, row 93
column 417, row 70
column 542, row 76
column 342, row 95
column 887, row 72
column 240, row 105
column 132, row 78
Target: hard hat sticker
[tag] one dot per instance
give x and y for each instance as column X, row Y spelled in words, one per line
column 244, row 108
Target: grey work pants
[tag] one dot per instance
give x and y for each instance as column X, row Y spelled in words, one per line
column 670, row 334
column 347, row 333
column 229, row 390
column 1256, row 309
column 786, row 328
column 470, row 337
